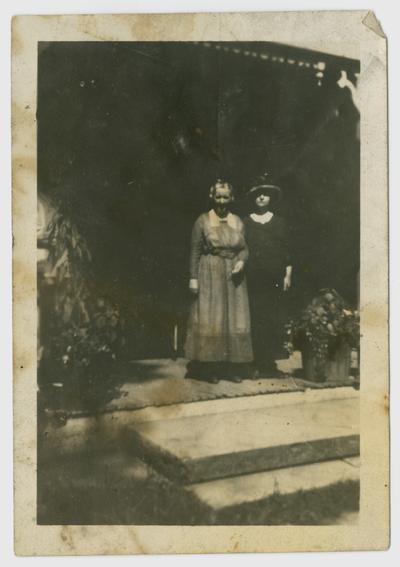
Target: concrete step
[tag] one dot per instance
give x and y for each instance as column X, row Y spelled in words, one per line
column 236, row 440
column 105, row 430
column 253, row 488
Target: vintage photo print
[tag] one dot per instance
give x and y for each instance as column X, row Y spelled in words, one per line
column 200, row 283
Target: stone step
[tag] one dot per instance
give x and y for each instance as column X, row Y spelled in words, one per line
column 231, row 442
column 103, row 431
column 252, row 488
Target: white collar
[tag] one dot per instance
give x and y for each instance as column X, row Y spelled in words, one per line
column 215, row 220
column 262, row 219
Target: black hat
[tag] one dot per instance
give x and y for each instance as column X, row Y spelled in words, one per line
column 264, row 184
column 266, row 189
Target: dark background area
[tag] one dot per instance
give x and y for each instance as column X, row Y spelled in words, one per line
column 132, row 135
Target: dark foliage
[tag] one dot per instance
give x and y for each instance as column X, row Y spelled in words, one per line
column 78, row 370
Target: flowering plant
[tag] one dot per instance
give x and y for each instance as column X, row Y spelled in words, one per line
column 325, row 323
column 92, row 347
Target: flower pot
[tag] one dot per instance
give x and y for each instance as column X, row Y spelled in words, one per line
column 335, row 369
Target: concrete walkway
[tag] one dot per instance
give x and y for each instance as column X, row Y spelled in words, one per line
column 162, row 382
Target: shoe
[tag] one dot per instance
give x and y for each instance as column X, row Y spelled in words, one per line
column 236, row 379
column 268, row 370
column 213, row 380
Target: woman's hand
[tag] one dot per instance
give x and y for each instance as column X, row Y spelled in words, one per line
column 287, row 280
column 238, row 267
column 194, row 286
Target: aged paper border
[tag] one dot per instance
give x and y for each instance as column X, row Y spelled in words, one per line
column 339, row 32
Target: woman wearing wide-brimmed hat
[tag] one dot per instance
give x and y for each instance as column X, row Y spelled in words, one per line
column 269, row 273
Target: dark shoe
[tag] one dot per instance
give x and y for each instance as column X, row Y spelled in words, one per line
column 236, row 379
column 267, row 369
column 193, row 370
column 213, row 380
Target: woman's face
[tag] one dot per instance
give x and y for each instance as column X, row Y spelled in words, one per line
column 262, row 201
column 222, row 198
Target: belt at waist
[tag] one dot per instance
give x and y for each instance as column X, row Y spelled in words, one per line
column 222, row 253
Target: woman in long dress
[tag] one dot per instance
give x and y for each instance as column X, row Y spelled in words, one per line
column 269, row 275
column 218, row 341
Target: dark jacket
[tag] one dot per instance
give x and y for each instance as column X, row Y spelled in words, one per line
column 269, row 250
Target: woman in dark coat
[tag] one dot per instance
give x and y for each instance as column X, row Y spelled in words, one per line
column 218, row 336
column 269, row 275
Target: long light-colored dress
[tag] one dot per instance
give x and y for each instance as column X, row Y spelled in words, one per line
column 219, row 320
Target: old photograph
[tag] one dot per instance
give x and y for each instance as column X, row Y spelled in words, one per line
column 198, row 248
column 199, row 282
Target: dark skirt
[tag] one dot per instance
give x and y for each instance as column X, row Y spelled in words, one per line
column 268, row 313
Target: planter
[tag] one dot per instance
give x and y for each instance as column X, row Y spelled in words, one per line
column 335, row 369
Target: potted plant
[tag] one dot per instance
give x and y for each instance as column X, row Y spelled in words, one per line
column 325, row 332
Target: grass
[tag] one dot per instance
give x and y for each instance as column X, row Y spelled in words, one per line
column 90, row 490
